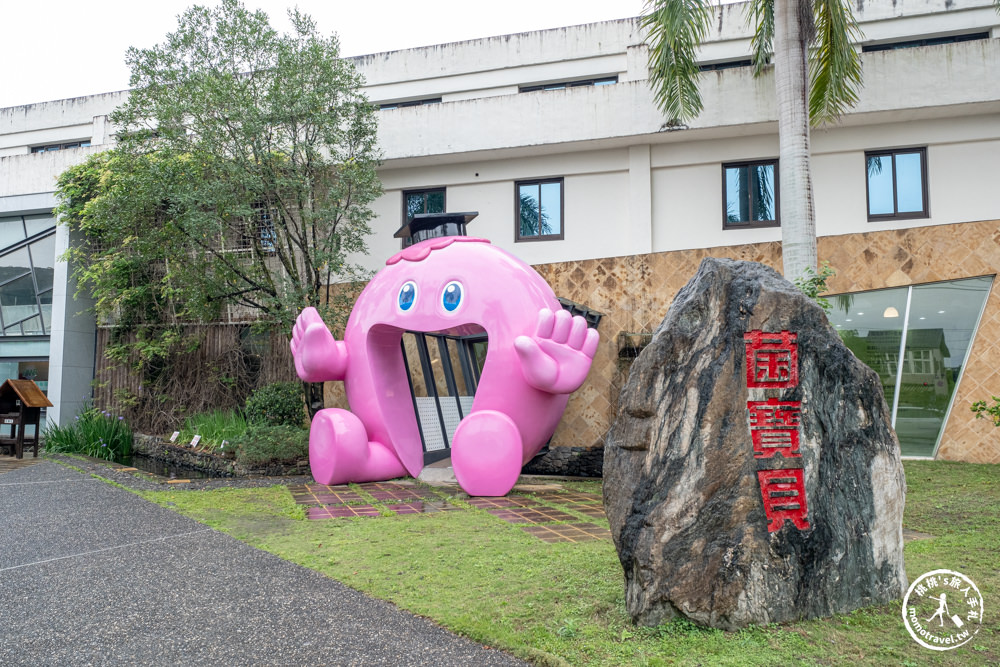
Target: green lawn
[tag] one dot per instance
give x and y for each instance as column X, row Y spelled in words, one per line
column 557, row 604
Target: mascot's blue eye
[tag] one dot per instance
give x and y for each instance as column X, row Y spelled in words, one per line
column 407, row 295
column 452, row 296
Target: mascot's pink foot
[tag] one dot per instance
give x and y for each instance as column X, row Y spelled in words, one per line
column 339, row 451
column 486, row 453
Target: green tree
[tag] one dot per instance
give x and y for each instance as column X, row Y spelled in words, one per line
column 817, row 76
column 245, row 164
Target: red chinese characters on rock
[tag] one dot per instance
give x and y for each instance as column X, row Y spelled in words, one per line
column 772, row 359
column 774, row 427
column 784, row 494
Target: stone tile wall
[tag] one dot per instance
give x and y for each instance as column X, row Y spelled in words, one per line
column 634, row 292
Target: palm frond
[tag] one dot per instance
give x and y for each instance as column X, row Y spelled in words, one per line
column 834, row 64
column 676, row 29
column 760, row 15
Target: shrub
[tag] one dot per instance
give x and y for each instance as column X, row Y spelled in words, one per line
column 991, row 411
column 813, row 283
column 93, row 432
column 266, row 443
column 279, row 403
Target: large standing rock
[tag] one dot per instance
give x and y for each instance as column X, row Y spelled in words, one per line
column 682, row 484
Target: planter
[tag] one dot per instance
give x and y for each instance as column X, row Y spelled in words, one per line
column 157, row 448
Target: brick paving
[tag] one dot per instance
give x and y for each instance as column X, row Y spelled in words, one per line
column 551, row 516
column 563, row 532
column 485, row 502
column 530, row 514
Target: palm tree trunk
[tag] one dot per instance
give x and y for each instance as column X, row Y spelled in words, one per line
column 792, row 24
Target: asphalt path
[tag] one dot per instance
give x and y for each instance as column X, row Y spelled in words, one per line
column 91, row 574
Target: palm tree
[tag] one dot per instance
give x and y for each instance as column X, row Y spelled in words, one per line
column 817, row 76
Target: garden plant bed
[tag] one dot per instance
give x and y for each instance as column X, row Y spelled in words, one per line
column 215, row 465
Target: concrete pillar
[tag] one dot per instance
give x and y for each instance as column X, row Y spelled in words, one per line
column 640, row 196
column 73, row 338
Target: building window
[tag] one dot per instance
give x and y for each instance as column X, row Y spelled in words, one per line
column 560, row 85
column 750, row 194
column 27, row 266
column 538, row 206
column 917, row 339
column 409, row 103
column 421, row 201
column 897, row 184
column 60, row 147
column 726, row 64
column 930, row 41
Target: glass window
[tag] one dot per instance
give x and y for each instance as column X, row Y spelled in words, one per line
column 32, row 326
column 897, row 184
column 423, row 201
column 751, row 194
column 45, row 299
column 562, row 85
column 11, row 231
column 539, row 206
column 36, row 224
column 43, row 261
column 24, row 348
column 14, row 264
column 933, row 325
column 59, row 147
column 17, row 301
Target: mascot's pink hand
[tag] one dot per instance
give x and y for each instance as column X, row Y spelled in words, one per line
column 318, row 356
column 557, row 358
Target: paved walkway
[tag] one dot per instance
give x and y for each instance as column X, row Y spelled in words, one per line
column 93, row 574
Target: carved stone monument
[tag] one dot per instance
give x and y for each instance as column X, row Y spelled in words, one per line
column 751, row 475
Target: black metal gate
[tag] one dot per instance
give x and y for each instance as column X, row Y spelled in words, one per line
column 443, row 372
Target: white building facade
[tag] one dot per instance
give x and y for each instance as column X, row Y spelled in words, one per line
column 623, row 207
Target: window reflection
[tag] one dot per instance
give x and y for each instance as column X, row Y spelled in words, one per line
column 17, row 300
column 11, row 231
column 896, row 183
column 750, row 193
column 539, row 209
column 43, row 259
column 941, row 319
column 36, row 224
column 26, row 280
column 14, row 264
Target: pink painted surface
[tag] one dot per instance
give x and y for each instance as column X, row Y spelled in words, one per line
column 537, row 355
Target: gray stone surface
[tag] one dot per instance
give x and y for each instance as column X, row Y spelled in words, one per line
column 568, row 461
column 91, row 574
column 681, row 487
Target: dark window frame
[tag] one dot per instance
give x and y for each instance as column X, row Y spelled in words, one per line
column 518, row 238
column 724, row 65
column 751, row 224
column 32, row 273
column 406, row 241
column 562, row 85
column 45, row 148
column 925, row 190
column 388, row 106
column 929, row 41
column 423, row 191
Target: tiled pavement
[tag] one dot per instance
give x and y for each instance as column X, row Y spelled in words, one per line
column 8, row 463
column 551, row 516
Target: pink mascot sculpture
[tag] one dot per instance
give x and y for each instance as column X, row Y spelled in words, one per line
column 537, row 354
